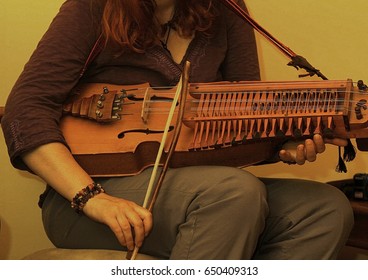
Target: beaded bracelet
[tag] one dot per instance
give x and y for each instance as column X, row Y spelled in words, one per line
column 81, row 198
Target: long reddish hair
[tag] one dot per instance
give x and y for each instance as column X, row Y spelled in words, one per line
column 132, row 24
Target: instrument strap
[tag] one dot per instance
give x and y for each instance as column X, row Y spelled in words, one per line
column 297, row 61
column 96, row 49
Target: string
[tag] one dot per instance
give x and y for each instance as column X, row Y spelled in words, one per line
column 228, row 85
column 307, row 100
column 168, row 27
column 162, row 145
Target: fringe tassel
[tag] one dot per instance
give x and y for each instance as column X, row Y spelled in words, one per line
column 349, row 152
column 349, row 155
column 341, row 166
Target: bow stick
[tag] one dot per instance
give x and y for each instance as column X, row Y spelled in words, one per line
column 182, row 89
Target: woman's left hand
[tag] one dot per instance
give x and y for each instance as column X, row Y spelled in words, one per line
column 301, row 151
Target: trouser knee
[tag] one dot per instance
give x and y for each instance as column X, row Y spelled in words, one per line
column 244, row 192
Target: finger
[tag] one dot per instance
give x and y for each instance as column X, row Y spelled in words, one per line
column 146, row 217
column 116, row 228
column 148, row 224
column 319, row 143
column 286, row 156
column 126, row 230
column 310, row 150
column 138, row 228
column 300, row 155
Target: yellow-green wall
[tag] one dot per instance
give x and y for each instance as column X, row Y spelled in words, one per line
column 22, row 24
column 331, row 34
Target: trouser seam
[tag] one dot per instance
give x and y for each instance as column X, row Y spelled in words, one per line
column 190, row 243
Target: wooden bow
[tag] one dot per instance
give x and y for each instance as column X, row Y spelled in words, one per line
column 150, row 200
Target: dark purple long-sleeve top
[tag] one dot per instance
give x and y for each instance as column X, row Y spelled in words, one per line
column 34, row 107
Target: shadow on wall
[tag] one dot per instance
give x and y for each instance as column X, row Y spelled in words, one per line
column 5, row 240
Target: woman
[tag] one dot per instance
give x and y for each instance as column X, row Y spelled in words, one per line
column 231, row 214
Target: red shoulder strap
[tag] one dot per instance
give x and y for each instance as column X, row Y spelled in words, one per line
column 97, row 47
column 297, row 60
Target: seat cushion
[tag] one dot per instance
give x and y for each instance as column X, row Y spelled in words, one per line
column 82, row 254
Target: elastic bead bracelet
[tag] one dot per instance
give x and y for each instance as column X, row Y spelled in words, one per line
column 81, row 198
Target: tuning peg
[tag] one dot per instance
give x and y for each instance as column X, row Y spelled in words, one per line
column 361, row 85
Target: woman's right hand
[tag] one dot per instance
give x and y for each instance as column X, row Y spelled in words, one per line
column 130, row 222
column 54, row 163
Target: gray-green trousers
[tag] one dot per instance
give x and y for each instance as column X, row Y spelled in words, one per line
column 218, row 213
